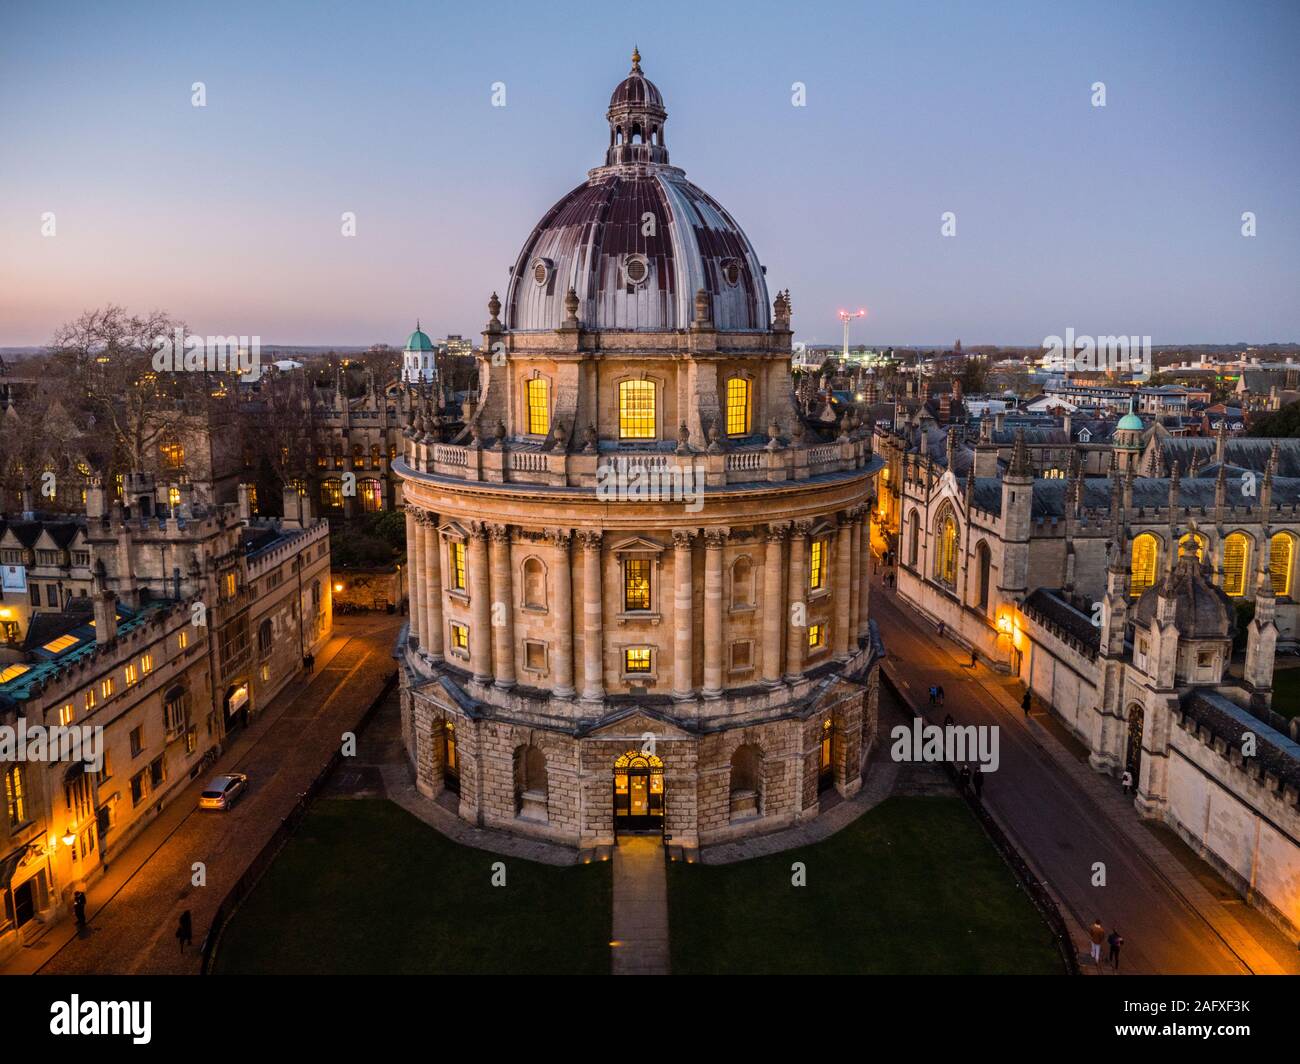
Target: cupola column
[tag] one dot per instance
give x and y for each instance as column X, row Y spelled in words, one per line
column 797, row 641
column 843, row 583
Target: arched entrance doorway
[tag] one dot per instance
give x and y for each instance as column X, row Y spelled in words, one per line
column 1133, row 758
column 638, row 792
column 236, row 706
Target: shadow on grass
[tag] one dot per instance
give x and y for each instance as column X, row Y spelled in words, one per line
column 363, row 887
column 911, row 887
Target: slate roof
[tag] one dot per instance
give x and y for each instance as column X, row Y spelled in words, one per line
column 1228, row 721
column 1247, row 452
column 1049, row 606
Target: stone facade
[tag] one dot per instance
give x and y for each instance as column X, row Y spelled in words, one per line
column 638, row 580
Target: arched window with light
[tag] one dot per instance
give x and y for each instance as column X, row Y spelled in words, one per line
column 1236, row 563
column 1281, row 562
column 945, row 557
column 538, row 394
column 738, row 406
column 636, row 410
column 1142, row 565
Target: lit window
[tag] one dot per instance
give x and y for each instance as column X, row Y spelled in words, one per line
column 539, row 410
column 173, row 496
column 183, row 639
column 458, row 566
column 89, row 700
column 16, row 795
column 106, row 687
column 132, row 674
column 65, row 714
column 11, row 671
column 816, row 636
column 1142, row 570
column 331, row 490
column 636, row 584
column 945, row 559
column 737, row 406
column 62, row 643
column 636, row 410
column 146, row 664
column 173, row 452
column 1281, row 559
column 1236, row 554
column 817, row 565
column 459, row 636
column 231, row 582
column 636, row 659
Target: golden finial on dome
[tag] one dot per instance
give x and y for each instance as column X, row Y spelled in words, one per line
column 636, row 60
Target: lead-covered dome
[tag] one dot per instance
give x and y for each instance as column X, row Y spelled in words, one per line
column 1202, row 610
column 637, row 241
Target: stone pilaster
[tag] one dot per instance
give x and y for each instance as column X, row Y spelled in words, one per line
column 414, row 576
column 503, row 609
column 593, row 638
column 683, row 617
column 855, row 578
column 864, row 577
column 562, row 566
column 480, row 602
column 431, row 628
column 842, row 590
column 714, row 539
column 773, row 603
column 797, row 639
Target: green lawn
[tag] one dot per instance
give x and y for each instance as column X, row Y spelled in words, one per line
column 364, row 887
column 1286, row 692
column 913, row 886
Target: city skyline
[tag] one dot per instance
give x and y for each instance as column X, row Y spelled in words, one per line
column 1123, row 219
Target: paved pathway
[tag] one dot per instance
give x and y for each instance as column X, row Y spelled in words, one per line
column 640, row 945
column 1176, row 915
column 134, row 908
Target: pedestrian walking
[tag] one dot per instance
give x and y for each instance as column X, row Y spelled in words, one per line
column 1116, row 940
column 184, row 930
column 1097, row 934
column 308, row 663
column 79, row 907
column 939, row 691
column 977, row 781
column 934, row 694
column 1026, row 702
column 964, row 778
column 948, row 722
column 942, row 628
column 1126, row 781
column 974, row 657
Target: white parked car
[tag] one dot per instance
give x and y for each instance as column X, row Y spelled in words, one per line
column 222, row 791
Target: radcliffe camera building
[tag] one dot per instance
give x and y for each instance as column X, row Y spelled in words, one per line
column 639, row 582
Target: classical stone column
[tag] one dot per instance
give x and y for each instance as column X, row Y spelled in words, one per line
column 480, row 602
column 843, row 580
column 414, row 576
column 683, row 617
column 593, row 639
column 773, row 603
column 561, row 566
column 855, row 572
column 431, row 588
column 503, row 609
column 797, row 639
column 864, row 577
column 714, row 539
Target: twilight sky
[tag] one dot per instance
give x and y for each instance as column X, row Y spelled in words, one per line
column 1124, row 219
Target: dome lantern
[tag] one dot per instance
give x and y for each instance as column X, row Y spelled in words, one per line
column 636, row 120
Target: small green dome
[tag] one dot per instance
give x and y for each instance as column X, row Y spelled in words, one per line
column 418, row 341
column 1130, row 422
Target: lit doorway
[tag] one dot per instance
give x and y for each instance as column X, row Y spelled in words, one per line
column 638, row 792
column 1133, row 760
column 825, row 758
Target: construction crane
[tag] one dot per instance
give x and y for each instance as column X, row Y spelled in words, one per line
column 847, row 316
